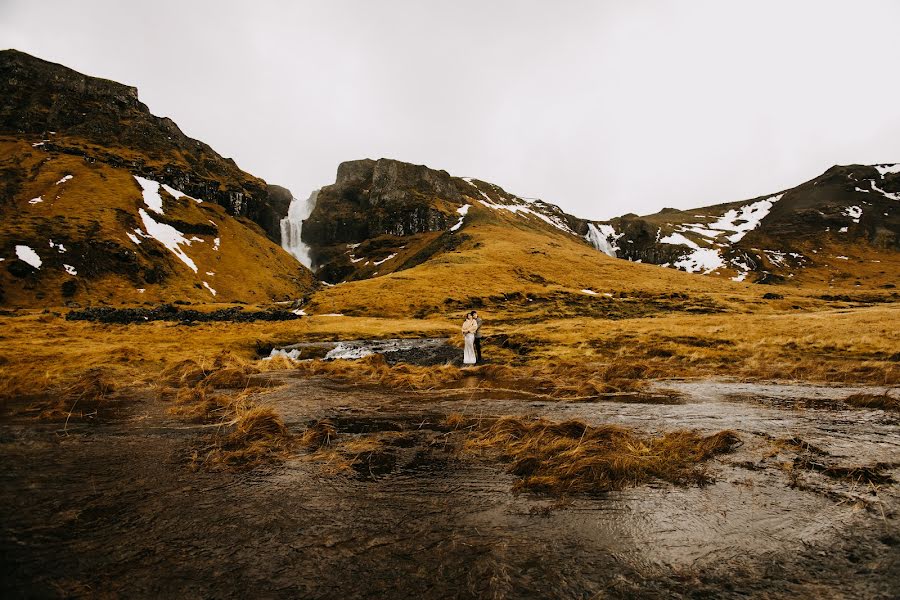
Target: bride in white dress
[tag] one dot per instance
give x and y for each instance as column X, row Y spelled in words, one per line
column 470, row 326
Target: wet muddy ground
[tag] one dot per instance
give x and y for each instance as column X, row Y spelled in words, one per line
column 807, row 506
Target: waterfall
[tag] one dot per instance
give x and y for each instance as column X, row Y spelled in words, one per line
column 603, row 238
column 292, row 224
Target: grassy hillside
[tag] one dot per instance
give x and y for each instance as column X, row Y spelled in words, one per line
column 524, row 269
column 84, row 221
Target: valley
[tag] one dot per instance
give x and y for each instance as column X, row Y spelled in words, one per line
column 254, row 393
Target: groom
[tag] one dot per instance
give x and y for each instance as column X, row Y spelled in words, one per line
column 477, row 337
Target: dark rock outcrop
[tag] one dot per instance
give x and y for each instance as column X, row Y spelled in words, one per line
column 383, row 197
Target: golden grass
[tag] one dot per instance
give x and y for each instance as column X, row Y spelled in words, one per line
column 319, row 434
column 255, row 436
column 249, row 434
column 105, row 200
column 882, row 401
column 80, row 396
column 571, row 456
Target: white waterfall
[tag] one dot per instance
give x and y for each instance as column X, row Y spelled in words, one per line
column 603, row 238
column 292, row 224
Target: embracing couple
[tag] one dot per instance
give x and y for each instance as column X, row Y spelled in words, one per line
column 472, row 337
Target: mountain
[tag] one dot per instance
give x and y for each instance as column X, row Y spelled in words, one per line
column 394, row 239
column 841, row 229
column 101, row 201
column 384, row 216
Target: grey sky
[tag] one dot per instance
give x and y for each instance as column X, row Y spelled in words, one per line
column 600, row 107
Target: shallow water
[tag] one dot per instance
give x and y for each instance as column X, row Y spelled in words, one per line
column 419, row 519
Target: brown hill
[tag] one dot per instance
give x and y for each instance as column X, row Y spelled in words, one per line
column 100, row 201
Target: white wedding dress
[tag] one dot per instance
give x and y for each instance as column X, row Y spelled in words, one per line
column 469, row 349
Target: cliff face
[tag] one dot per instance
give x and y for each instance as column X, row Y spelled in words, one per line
column 104, row 121
column 383, row 197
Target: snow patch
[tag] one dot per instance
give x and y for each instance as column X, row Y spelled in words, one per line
column 169, row 237
column 299, row 312
column 743, row 220
column 589, row 292
column 36, row 200
column 132, row 237
column 150, row 191
column 216, row 243
column 59, row 247
column 891, row 195
column 520, row 209
column 212, row 291
column 842, row 257
column 27, row 255
column 679, row 240
column 843, row 230
column 178, row 194
column 462, row 211
column 383, row 260
column 64, row 179
column 705, row 260
column 885, row 169
column 854, row 212
column 70, row 270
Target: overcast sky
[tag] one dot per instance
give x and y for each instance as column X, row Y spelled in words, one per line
column 601, row 107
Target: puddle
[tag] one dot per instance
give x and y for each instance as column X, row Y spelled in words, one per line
column 418, row 351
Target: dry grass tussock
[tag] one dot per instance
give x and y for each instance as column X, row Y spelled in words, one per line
column 571, row 456
column 80, row 396
column 256, row 435
column 882, row 401
column 248, row 434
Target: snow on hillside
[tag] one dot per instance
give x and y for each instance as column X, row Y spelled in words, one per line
column 544, row 211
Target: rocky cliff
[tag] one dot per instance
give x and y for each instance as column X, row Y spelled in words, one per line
column 390, row 210
column 841, row 225
column 102, row 120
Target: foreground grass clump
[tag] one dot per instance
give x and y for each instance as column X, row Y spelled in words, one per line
column 247, row 434
column 255, row 436
column 882, row 401
column 571, row 456
column 80, row 396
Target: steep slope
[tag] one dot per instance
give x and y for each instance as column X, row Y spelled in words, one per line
column 100, row 201
column 840, row 229
column 101, row 120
